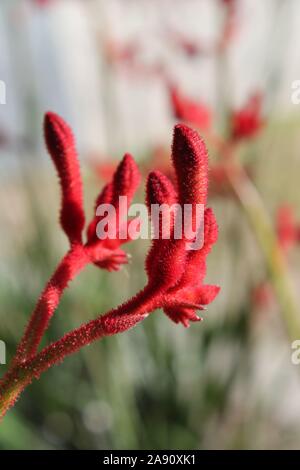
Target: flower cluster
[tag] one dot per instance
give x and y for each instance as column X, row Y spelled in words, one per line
column 175, row 273
column 103, row 253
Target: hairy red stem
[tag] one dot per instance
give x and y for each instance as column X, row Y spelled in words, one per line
column 120, row 319
column 73, row 262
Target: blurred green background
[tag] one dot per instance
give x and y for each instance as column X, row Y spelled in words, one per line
column 225, row 383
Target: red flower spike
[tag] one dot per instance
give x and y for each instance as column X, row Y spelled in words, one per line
column 179, row 273
column 190, row 159
column 189, row 111
column 61, row 147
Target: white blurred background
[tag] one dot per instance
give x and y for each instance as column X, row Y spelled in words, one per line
column 53, row 55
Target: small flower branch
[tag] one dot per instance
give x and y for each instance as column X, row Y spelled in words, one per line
column 175, row 274
column 21, row 374
column 61, row 146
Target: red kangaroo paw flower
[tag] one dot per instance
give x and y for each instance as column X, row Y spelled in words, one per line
column 247, row 122
column 175, row 273
column 61, row 147
column 189, row 111
column 125, row 183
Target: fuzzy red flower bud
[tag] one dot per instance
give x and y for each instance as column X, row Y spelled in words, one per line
column 61, row 146
column 126, row 179
column 190, row 160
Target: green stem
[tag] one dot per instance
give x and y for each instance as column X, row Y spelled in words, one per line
column 258, row 217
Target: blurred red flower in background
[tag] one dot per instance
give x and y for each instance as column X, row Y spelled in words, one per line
column 189, row 47
column 288, row 230
column 247, row 121
column 187, row 110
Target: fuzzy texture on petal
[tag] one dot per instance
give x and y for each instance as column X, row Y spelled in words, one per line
column 190, row 159
column 160, row 191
